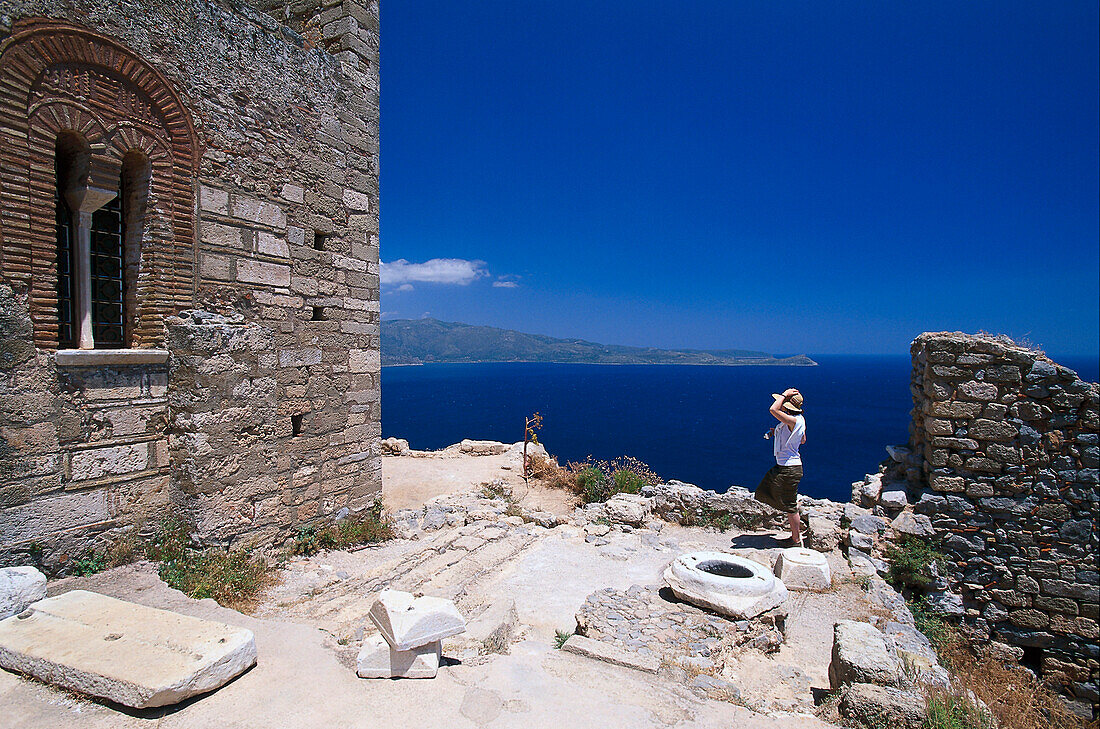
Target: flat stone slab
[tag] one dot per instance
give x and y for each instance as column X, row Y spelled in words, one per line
column 377, row 659
column 407, row 622
column 19, row 587
column 609, row 653
column 130, row 654
column 803, row 569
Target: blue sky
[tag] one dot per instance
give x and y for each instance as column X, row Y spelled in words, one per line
column 786, row 176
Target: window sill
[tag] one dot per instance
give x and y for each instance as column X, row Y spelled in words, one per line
column 106, row 357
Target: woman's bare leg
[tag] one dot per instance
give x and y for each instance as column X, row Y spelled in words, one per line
column 796, row 528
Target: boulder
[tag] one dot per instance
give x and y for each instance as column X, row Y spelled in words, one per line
column 861, row 541
column 873, row 707
column 868, row 524
column 627, row 509
column 894, row 499
column 823, row 534
column 482, row 447
column 378, row 659
column 917, row 525
column 394, row 447
column 130, row 654
column 869, row 489
column 408, row 622
column 861, row 655
column 19, row 587
column 683, row 503
column 803, row 569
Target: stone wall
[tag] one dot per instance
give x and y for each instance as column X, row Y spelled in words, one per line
column 258, row 277
column 1005, row 449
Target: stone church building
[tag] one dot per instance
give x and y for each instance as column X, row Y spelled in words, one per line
column 189, row 318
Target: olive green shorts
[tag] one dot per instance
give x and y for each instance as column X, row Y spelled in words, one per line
column 779, row 488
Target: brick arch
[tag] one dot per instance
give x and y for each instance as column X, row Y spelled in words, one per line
column 56, row 77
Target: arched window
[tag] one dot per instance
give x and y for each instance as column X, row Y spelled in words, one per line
column 99, row 235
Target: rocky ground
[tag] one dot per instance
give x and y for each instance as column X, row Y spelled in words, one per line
column 522, row 570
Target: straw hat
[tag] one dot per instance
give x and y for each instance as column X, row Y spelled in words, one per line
column 793, row 405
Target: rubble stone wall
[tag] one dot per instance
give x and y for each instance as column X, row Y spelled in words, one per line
column 1005, row 448
column 262, row 284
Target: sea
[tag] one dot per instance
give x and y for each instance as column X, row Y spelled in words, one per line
column 699, row 424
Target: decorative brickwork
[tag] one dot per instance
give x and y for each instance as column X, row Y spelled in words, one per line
column 1005, row 446
column 54, row 78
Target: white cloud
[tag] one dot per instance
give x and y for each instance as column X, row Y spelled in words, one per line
column 502, row 284
column 437, row 270
column 405, row 287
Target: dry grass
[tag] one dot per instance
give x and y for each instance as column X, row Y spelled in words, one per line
column 593, row 480
column 1014, row 696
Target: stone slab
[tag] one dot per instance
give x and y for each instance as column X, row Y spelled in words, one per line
column 377, row 659
column 609, row 653
column 133, row 655
column 407, row 622
column 19, row 587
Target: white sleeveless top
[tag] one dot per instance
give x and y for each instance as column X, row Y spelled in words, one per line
column 786, row 442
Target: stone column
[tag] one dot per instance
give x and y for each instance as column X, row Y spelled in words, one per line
column 84, row 201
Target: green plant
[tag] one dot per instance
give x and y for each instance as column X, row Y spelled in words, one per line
column 911, row 560
column 89, row 563
column 496, row 490
column 560, row 636
column 955, row 709
column 232, row 578
column 939, row 632
column 369, row 527
column 627, row 482
column 593, row 484
column 707, row 516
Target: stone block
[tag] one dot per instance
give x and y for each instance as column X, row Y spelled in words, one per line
column 19, row 587
column 41, row 518
column 861, row 655
column 378, row 659
column 873, row 706
column 364, row 360
column 222, row 236
column 894, row 499
column 823, row 534
column 98, row 462
column 272, row 245
column 293, row 193
column 299, row 357
column 133, row 655
column 407, row 622
column 356, row 201
column 627, row 509
column 916, row 525
column 262, row 272
column 992, row 430
column 803, row 569
column 213, row 200
column 609, row 653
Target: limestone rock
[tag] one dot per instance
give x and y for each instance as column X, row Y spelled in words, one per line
column 394, row 447
column 868, row 524
column 482, row 447
column 130, row 654
column 894, row 499
column 917, row 525
column 19, row 587
column 880, row 706
column 627, row 509
column 377, row 659
column 407, row 622
column 823, row 534
column 861, row 655
column 803, row 569
column 861, row 541
column 609, row 653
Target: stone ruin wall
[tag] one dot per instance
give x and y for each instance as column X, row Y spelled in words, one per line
column 1005, row 447
column 266, row 414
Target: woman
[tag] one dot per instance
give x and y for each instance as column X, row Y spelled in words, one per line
column 779, row 487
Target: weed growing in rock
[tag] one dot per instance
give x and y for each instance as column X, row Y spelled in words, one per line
column 89, row 563
column 911, row 560
column 719, row 519
column 560, row 636
column 369, row 527
column 232, row 578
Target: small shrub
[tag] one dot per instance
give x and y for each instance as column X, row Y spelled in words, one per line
column 496, row 490
column 719, row 519
column 952, row 710
column 560, row 636
column 939, row 632
column 593, row 484
column 627, row 482
column 911, row 561
column 89, row 563
column 594, row 480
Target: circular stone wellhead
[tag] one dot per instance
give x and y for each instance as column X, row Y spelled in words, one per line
column 725, row 583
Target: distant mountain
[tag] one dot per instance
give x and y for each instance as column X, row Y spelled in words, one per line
column 423, row 341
